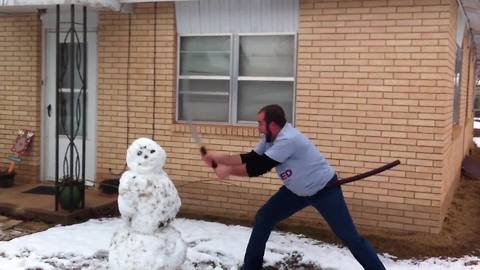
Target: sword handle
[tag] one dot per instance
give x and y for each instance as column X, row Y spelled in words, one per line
column 203, row 151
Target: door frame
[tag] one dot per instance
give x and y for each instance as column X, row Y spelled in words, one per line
column 48, row 26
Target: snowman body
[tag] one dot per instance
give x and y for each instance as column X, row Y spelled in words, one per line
column 148, row 202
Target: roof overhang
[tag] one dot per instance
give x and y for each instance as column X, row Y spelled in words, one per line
column 26, row 6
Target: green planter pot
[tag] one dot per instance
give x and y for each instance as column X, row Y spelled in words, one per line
column 70, row 195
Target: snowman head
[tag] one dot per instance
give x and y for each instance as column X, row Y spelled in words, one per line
column 145, row 156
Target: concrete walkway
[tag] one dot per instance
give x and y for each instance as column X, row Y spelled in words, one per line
column 12, row 228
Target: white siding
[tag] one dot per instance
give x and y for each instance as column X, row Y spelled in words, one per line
column 237, row 16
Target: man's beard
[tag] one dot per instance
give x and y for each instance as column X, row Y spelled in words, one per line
column 268, row 136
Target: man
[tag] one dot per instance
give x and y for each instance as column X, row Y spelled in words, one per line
column 304, row 172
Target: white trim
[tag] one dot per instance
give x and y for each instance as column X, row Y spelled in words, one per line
column 268, row 34
column 149, row 1
column 204, row 93
column 24, row 5
column 204, row 52
column 205, row 34
column 233, row 104
column 200, row 77
column 268, row 79
column 42, row 98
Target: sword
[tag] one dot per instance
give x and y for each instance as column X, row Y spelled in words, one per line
column 198, row 140
column 193, row 128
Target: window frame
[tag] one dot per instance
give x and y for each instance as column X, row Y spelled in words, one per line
column 457, row 86
column 234, row 76
column 180, row 77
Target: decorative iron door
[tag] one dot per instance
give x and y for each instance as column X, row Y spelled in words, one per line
column 50, row 109
column 70, row 100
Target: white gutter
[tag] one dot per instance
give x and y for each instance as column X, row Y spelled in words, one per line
column 151, row 1
column 17, row 6
column 13, row 5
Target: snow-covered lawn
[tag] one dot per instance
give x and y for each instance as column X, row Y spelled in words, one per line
column 210, row 246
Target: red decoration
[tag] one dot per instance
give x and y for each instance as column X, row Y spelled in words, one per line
column 23, row 142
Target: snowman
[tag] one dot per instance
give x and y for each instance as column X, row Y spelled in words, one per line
column 148, row 202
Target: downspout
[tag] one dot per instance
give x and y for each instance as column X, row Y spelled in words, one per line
column 154, row 68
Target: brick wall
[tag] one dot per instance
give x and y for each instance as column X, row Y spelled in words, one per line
column 458, row 137
column 374, row 85
column 382, row 73
column 20, row 65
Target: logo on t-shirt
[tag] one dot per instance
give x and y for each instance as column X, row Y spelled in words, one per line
column 286, row 174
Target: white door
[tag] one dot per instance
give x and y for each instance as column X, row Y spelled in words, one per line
column 50, row 108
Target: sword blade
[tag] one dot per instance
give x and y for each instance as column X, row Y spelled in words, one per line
column 198, row 140
column 195, row 136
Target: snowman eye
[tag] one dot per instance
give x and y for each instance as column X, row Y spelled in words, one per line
column 139, row 153
column 152, row 151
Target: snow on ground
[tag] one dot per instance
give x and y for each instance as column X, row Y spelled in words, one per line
column 210, row 246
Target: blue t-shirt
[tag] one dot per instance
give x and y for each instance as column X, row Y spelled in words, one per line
column 303, row 169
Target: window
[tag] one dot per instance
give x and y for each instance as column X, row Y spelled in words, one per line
column 228, row 78
column 457, row 82
column 65, row 99
column 457, row 79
